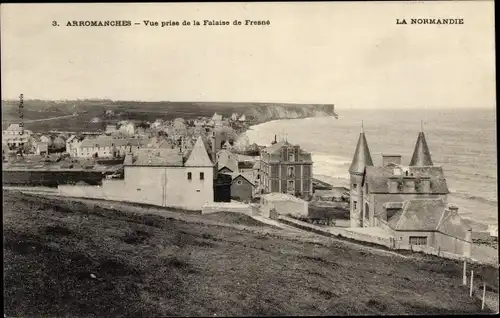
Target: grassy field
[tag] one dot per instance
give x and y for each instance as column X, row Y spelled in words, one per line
column 149, row 265
column 140, row 111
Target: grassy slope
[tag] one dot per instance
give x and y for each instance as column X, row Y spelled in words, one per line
column 151, row 266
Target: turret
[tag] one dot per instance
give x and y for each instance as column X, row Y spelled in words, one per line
column 421, row 154
column 361, row 159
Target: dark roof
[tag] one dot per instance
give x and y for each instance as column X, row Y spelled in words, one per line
column 362, row 157
column 421, row 154
column 378, row 178
column 428, row 215
column 247, row 176
column 277, row 146
column 105, row 141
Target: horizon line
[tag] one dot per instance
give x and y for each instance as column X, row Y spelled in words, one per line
column 241, row 102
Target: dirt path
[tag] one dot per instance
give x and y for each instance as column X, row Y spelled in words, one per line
column 50, row 118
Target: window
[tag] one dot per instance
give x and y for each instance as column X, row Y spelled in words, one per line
column 189, row 175
column 291, row 185
column 355, row 205
column 291, row 154
column 202, row 176
column 354, row 186
column 258, row 176
column 418, row 240
column 239, row 182
column 291, row 172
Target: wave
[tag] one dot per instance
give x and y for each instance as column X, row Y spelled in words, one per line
column 468, row 196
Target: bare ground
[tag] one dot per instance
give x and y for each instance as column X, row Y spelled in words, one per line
column 149, row 265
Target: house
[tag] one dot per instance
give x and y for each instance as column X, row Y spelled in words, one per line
column 234, row 117
column 428, row 223
column 72, row 145
column 110, row 129
column 42, row 148
column 242, row 118
column 371, row 187
column 216, row 117
column 242, row 186
column 227, row 162
column 15, row 136
column 162, row 177
column 109, row 147
column 127, row 128
column 285, row 168
column 46, row 139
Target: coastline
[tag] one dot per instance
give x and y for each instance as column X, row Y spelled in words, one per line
column 337, row 164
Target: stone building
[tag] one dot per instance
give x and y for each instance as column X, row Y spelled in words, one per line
column 15, row 136
column 285, row 168
column 162, row 177
column 108, row 147
column 371, row 187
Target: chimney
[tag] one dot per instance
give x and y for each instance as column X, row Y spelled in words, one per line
column 273, row 142
column 409, row 185
column 387, row 159
column 214, row 151
column 393, row 185
column 425, row 184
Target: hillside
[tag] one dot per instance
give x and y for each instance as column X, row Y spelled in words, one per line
column 147, row 265
column 147, row 111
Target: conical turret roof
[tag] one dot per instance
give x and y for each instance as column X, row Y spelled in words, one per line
column 362, row 157
column 421, row 154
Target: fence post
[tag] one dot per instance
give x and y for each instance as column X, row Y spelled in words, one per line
column 471, row 282
column 484, row 295
column 464, row 282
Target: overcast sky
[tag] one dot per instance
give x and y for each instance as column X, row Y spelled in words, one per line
column 348, row 54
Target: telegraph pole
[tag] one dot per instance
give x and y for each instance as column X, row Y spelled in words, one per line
column 21, row 124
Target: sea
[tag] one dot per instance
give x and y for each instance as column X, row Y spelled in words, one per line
column 462, row 141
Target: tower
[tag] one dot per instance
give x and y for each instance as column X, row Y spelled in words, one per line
column 361, row 159
column 421, row 154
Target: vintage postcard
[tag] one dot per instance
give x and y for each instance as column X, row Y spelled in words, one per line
column 249, row 159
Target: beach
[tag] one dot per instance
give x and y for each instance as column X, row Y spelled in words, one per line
column 463, row 142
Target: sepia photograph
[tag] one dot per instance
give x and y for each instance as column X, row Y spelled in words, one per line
column 249, row 159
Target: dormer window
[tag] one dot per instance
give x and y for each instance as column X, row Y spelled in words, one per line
column 291, row 154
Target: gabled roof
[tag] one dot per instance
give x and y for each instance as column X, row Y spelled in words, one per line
column 199, row 156
column 429, row 215
column 245, row 175
column 14, row 127
column 421, row 154
column 419, row 214
column 276, row 147
column 362, row 157
column 227, row 162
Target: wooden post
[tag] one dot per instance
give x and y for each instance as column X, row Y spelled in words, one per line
column 471, row 282
column 484, row 295
column 464, row 282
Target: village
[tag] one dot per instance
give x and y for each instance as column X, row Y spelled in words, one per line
column 208, row 165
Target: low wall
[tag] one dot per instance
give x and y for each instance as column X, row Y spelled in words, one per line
column 362, row 237
column 480, row 254
column 51, row 178
column 227, row 207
